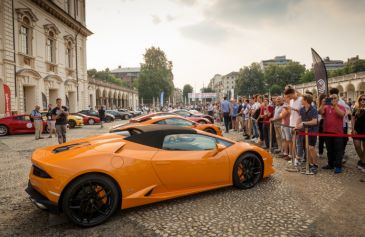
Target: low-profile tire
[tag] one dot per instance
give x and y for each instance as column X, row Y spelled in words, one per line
column 247, row 171
column 126, row 117
column 108, row 119
column 90, row 200
column 3, row 130
column 91, row 121
column 210, row 130
column 72, row 123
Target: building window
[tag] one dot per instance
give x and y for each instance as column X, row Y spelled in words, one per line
column 26, row 19
column 50, row 48
column 69, row 58
column 76, row 7
column 24, row 40
column 69, row 6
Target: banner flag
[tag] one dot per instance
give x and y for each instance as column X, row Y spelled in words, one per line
column 7, row 94
column 320, row 73
column 161, row 98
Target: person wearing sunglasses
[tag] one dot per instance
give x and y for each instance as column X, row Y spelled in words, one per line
column 358, row 123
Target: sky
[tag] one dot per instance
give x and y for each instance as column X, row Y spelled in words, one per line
column 207, row 37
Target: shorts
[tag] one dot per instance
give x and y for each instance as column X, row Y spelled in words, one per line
column 286, row 133
column 233, row 118
column 51, row 124
column 312, row 140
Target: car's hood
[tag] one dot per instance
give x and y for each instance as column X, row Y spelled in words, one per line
column 105, row 143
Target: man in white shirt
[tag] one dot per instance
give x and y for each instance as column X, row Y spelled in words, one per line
column 295, row 106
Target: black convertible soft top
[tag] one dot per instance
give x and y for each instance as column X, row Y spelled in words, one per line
column 153, row 135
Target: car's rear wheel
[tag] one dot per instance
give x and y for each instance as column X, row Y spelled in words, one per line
column 210, row 130
column 91, row 200
column 126, row 117
column 247, row 171
column 91, row 121
column 72, row 123
column 3, row 130
column 108, row 119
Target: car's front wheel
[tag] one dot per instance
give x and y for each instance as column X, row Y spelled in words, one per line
column 91, row 200
column 91, row 121
column 247, row 171
column 108, row 119
column 3, row 130
column 126, row 117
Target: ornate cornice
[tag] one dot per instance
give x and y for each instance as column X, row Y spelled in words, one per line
column 51, row 26
column 27, row 72
column 60, row 14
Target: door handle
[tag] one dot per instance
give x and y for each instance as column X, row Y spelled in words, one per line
column 163, row 162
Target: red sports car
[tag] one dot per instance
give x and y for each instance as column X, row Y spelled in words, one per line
column 193, row 114
column 19, row 123
column 91, row 120
column 148, row 116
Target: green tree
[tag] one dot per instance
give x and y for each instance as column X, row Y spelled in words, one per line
column 307, row 76
column 106, row 76
column 156, row 75
column 250, row 80
column 276, row 89
column 186, row 90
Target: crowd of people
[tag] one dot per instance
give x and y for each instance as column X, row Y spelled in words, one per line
column 326, row 119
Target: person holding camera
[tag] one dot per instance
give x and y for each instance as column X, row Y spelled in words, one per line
column 333, row 113
column 60, row 113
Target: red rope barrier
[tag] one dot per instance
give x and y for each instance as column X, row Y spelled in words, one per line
column 331, row 135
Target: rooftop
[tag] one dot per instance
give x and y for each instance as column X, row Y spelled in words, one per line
column 126, row 69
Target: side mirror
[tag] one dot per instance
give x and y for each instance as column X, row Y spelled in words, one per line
column 220, row 147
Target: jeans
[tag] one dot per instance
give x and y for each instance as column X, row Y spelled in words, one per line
column 226, row 121
column 320, row 139
column 266, row 135
column 300, row 147
column 61, row 133
column 345, row 139
column 335, row 150
column 254, row 127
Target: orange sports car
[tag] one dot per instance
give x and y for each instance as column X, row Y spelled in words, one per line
column 90, row 178
column 174, row 120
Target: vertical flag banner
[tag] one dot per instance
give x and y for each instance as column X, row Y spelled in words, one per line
column 320, row 73
column 161, row 98
column 7, row 94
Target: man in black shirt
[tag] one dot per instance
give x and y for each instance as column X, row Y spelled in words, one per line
column 102, row 116
column 60, row 113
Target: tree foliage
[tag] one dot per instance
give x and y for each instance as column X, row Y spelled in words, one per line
column 308, row 76
column 250, row 80
column 156, row 75
column 351, row 67
column 186, row 90
column 105, row 76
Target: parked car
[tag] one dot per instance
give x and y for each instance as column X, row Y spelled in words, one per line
column 73, row 120
column 90, row 120
column 108, row 117
column 194, row 119
column 193, row 113
column 134, row 113
column 175, row 120
column 19, row 123
column 119, row 114
column 89, row 179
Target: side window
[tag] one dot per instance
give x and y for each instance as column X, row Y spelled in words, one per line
column 26, row 118
column 161, row 122
column 188, row 142
column 20, row 118
column 224, row 142
column 183, row 123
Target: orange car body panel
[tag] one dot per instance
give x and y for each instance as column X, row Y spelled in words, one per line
column 144, row 174
column 156, row 119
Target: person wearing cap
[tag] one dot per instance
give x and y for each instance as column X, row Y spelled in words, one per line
column 38, row 123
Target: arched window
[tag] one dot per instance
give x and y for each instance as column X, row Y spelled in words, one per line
column 51, row 32
column 26, row 19
column 69, row 51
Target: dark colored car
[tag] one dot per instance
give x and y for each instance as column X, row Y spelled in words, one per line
column 187, row 113
column 108, row 117
column 120, row 114
column 19, row 123
column 134, row 113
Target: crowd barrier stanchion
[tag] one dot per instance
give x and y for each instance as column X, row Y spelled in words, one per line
column 270, row 139
column 307, row 152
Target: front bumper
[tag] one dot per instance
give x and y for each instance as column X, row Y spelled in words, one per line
column 40, row 201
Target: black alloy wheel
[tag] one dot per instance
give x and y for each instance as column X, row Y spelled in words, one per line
column 3, row 130
column 72, row 123
column 247, row 171
column 91, row 121
column 108, row 119
column 210, row 130
column 91, row 200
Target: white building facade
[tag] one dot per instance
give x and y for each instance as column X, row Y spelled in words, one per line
column 42, row 54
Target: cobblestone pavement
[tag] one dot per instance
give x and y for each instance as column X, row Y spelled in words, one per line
column 286, row 204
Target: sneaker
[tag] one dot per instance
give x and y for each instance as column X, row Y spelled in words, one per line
column 361, row 166
column 338, row 170
column 320, row 156
column 327, row 167
column 314, row 169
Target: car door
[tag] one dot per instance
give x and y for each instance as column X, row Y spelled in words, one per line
column 22, row 124
column 190, row 160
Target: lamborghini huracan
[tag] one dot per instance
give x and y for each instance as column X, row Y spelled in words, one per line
column 90, row 178
column 174, row 120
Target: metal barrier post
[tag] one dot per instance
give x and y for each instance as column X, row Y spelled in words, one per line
column 270, row 139
column 307, row 172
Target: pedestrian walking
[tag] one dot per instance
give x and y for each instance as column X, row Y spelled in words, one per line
column 102, row 115
column 59, row 114
column 225, row 106
column 358, row 122
column 51, row 123
column 38, row 122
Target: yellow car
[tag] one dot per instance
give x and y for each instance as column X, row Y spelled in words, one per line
column 73, row 120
